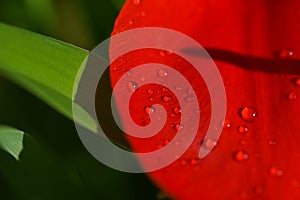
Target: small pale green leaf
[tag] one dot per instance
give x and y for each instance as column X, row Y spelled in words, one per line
column 11, row 140
column 44, row 66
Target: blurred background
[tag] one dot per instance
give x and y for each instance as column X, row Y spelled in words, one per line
column 54, row 163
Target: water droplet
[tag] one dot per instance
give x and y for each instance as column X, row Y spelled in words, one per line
column 142, row 78
column 272, row 142
column 129, row 73
column 189, row 99
column 241, row 155
column 176, row 110
column 183, row 162
column 292, row 96
column 248, row 113
column 244, row 142
column 226, row 124
column 178, row 88
column 151, row 98
column 136, row 2
column 242, row 129
column 149, row 110
column 149, row 91
column 178, row 127
column 167, row 142
column 162, row 73
column 258, row 189
column 297, row 82
column 162, row 53
column 209, row 143
column 130, row 22
column 164, row 89
column 285, row 53
column 166, row 98
column 275, row 171
column 194, row 161
column 132, row 86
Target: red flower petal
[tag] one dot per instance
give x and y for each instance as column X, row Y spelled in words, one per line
column 257, row 155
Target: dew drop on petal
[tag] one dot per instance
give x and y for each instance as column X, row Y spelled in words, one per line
column 130, row 22
column 189, row 99
column 243, row 142
column 178, row 127
column 132, row 86
column 142, row 78
column 226, row 124
column 149, row 91
column 241, row 155
column 129, row 73
column 292, row 96
column 285, row 53
column 248, row 113
column 176, row 110
column 162, row 53
column 297, row 82
column 162, row 73
column 275, row 171
column 166, row 98
column 183, row 162
column 209, row 143
column 272, row 142
column 178, row 88
column 149, row 110
column 242, row 129
column 194, row 161
column 151, row 98
column 136, row 2
column 164, row 89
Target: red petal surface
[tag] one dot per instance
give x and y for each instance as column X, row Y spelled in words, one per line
column 256, row 46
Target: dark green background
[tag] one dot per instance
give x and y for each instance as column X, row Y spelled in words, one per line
column 54, row 163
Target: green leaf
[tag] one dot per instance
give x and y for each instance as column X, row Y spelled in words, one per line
column 44, row 66
column 11, row 140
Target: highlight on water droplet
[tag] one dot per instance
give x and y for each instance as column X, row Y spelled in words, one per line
column 275, row 171
column 183, row 162
column 130, row 22
column 162, row 53
column 243, row 142
column 272, row 142
column 136, row 2
column 164, row 89
column 132, row 86
column 178, row 127
column 226, row 123
column 248, row 113
column 162, row 73
column 189, row 98
column 149, row 110
column 241, row 155
column 292, row 96
column 284, row 53
column 296, row 82
column 149, row 91
column 209, row 143
column 152, row 98
column 129, row 73
column 166, row 98
column 242, row 129
column 194, row 161
column 176, row 110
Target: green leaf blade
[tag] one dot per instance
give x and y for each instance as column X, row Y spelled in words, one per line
column 11, row 140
